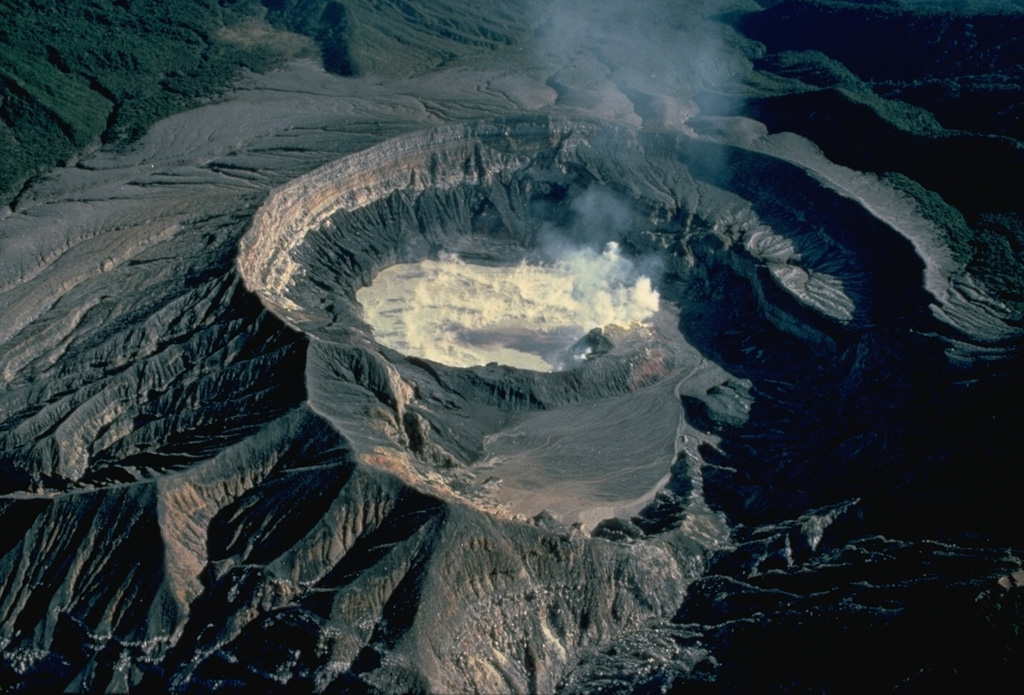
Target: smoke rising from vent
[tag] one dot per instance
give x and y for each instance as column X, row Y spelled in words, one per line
column 633, row 61
column 523, row 316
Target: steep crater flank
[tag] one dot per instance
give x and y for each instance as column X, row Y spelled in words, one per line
column 734, row 242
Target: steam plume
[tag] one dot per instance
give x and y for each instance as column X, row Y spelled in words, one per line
column 463, row 315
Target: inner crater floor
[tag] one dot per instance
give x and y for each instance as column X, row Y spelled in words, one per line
column 604, row 457
column 524, row 316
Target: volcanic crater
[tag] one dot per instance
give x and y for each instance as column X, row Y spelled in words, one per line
column 751, row 253
column 216, row 472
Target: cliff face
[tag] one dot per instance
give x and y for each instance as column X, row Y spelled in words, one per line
column 213, row 477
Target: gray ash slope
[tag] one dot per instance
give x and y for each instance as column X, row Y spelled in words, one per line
column 212, row 478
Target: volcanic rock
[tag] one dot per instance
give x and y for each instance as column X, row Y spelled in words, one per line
column 796, row 475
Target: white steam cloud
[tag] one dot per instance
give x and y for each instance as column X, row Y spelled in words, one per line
column 462, row 315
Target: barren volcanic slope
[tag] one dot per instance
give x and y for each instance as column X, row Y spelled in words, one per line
column 791, row 471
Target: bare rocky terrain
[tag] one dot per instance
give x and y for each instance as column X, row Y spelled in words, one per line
column 801, row 476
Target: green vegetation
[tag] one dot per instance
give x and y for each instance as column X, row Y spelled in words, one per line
column 323, row 20
column 815, row 69
column 989, row 244
column 998, row 250
column 80, row 73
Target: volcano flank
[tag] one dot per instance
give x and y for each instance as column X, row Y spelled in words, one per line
column 528, row 347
